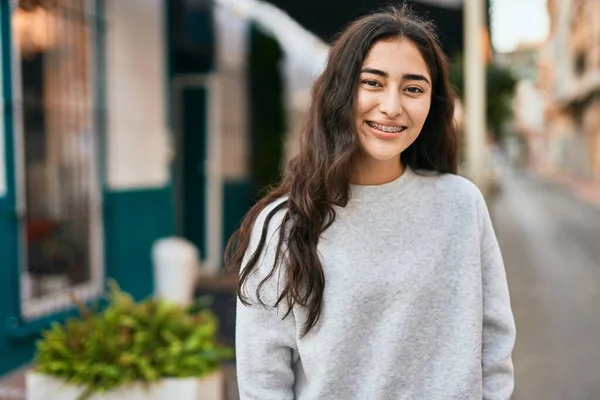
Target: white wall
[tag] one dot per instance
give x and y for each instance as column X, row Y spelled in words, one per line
column 529, row 105
column 138, row 148
column 231, row 42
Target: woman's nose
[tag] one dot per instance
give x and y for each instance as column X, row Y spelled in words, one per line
column 391, row 105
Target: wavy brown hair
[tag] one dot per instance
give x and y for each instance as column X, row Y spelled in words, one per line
column 318, row 178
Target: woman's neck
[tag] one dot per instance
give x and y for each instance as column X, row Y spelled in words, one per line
column 374, row 172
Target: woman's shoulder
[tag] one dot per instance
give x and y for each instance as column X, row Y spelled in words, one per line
column 272, row 214
column 278, row 205
column 449, row 186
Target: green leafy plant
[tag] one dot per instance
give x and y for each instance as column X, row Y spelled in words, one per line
column 131, row 342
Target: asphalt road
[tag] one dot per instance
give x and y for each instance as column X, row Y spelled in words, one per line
column 551, row 247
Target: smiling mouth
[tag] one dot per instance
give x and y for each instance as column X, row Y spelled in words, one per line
column 386, row 128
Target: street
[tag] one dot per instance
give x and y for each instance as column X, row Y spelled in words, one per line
column 551, row 247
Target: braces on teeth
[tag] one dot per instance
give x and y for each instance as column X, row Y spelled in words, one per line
column 387, row 128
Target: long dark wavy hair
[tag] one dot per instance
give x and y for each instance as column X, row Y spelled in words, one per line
column 318, row 178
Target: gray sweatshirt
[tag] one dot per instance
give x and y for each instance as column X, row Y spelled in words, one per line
column 416, row 304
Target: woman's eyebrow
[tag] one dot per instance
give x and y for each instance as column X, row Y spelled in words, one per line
column 375, row 72
column 407, row 77
column 415, row 77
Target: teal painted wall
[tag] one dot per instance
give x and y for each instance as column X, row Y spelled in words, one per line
column 12, row 352
column 133, row 221
column 238, row 198
column 193, row 153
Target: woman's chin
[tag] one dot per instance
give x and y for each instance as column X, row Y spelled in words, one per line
column 382, row 156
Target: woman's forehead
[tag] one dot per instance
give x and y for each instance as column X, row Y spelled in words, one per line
column 396, row 57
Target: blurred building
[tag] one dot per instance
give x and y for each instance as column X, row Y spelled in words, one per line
column 568, row 80
column 524, row 61
column 529, row 104
column 123, row 122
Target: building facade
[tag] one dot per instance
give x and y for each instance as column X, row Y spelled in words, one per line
column 85, row 186
column 123, row 122
column 570, row 81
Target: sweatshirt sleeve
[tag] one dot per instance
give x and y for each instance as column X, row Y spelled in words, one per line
column 265, row 343
column 498, row 322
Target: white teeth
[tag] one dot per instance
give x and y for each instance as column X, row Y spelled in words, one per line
column 385, row 128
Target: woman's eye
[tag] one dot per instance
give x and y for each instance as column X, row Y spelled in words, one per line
column 414, row 90
column 371, row 83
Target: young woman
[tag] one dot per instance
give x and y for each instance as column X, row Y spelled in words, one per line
column 372, row 272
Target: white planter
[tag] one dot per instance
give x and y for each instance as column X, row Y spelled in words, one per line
column 176, row 266
column 44, row 387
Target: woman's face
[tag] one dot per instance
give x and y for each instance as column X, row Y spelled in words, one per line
column 393, row 99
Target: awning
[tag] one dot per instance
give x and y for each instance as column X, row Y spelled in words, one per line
column 325, row 18
column 442, row 3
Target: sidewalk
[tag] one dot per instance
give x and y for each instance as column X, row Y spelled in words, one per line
column 12, row 385
column 585, row 190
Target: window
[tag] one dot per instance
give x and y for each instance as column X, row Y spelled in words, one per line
column 54, row 99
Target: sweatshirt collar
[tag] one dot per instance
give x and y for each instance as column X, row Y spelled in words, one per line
column 377, row 192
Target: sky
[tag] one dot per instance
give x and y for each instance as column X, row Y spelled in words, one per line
column 515, row 21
